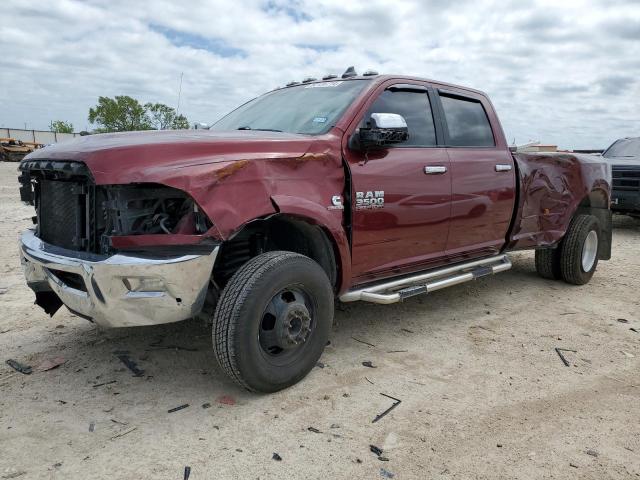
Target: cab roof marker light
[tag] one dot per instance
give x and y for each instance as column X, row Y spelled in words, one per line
column 329, row 77
column 309, row 79
column 349, row 72
column 370, row 73
column 291, row 84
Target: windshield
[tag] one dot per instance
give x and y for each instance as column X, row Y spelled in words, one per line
column 628, row 147
column 310, row 109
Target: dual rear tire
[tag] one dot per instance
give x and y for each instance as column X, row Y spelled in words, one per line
column 576, row 258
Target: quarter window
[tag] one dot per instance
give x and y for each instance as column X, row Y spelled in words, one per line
column 467, row 123
column 415, row 108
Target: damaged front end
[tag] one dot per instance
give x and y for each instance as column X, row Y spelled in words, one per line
column 120, row 255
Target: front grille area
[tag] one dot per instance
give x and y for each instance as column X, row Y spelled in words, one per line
column 61, row 215
column 626, row 178
column 74, row 213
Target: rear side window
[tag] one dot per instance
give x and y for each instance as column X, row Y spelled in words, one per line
column 467, row 123
column 416, row 110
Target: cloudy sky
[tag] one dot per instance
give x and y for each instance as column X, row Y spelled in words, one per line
column 560, row 72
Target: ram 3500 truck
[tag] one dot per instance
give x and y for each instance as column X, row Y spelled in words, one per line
column 365, row 187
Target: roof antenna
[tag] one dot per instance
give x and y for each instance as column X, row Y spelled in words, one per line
column 349, row 72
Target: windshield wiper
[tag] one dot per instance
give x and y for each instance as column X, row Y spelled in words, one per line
column 247, row 127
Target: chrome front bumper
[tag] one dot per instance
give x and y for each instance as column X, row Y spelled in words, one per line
column 119, row 290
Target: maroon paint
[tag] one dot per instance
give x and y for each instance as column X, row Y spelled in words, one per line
column 482, row 198
column 552, row 186
column 411, row 230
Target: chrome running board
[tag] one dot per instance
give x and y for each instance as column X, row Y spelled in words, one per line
column 397, row 290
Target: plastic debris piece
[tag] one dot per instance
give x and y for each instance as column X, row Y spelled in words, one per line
column 276, row 457
column 314, row 430
column 368, row 363
column 376, row 450
column 386, row 473
column 19, row 367
column 226, row 400
column 180, row 407
column 187, row 473
column 131, row 365
column 50, row 364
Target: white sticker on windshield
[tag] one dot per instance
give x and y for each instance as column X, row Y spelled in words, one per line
column 323, row 85
column 319, row 119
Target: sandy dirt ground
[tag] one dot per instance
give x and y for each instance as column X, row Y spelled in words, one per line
column 484, row 394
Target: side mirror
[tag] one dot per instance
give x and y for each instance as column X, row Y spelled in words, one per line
column 383, row 129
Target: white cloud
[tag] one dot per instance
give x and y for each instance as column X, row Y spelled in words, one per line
column 562, row 72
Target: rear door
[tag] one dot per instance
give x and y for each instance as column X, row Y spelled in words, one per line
column 482, row 175
column 401, row 194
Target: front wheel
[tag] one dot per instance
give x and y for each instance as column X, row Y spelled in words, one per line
column 579, row 250
column 272, row 321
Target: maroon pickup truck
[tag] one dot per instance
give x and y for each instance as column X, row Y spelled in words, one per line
column 365, row 187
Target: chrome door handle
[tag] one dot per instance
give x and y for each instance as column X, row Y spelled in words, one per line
column 435, row 170
column 503, row 167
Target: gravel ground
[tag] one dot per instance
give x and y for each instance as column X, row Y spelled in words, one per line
column 484, row 394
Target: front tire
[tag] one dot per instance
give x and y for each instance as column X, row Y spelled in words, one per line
column 579, row 251
column 272, row 321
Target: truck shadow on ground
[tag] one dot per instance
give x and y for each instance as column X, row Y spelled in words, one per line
column 178, row 358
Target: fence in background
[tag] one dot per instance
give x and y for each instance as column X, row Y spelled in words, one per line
column 37, row 136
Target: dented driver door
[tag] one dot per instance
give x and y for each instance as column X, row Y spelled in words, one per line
column 401, row 195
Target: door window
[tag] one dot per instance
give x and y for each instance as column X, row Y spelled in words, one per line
column 467, row 122
column 415, row 108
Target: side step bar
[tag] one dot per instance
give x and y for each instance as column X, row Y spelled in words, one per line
column 397, row 290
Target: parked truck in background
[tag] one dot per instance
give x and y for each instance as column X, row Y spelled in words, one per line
column 624, row 157
column 365, row 187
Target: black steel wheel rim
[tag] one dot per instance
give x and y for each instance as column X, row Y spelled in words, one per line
column 286, row 325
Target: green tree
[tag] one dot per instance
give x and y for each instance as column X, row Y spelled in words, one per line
column 119, row 114
column 163, row 117
column 60, row 126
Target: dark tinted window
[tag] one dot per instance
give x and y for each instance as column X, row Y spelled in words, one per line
column 468, row 123
column 627, row 147
column 416, row 110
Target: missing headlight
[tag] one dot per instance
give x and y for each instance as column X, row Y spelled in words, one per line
column 150, row 210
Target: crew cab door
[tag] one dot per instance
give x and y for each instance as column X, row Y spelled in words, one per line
column 401, row 194
column 482, row 174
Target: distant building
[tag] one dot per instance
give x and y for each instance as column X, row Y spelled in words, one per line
column 537, row 147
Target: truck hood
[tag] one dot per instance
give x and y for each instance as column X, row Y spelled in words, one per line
column 139, row 156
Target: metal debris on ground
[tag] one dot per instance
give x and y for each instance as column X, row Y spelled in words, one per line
column 19, row 367
column 226, row 400
column 376, row 450
column 50, row 364
column 103, row 384
column 362, row 341
column 187, row 473
column 206, row 405
column 14, row 474
column 634, row 330
column 276, row 457
column 406, row 330
column 623, row 320
column 397, row 351
column 593, row 453
column 124, row 433
column 314, row 430
column 396, row 402
column 368, row 364
column 369, row 381
column 159, row 346
column 319, row 364
column 131, row 365
column 92, row 426
column 386, row 473
column 562, row 357
column 175, row 409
